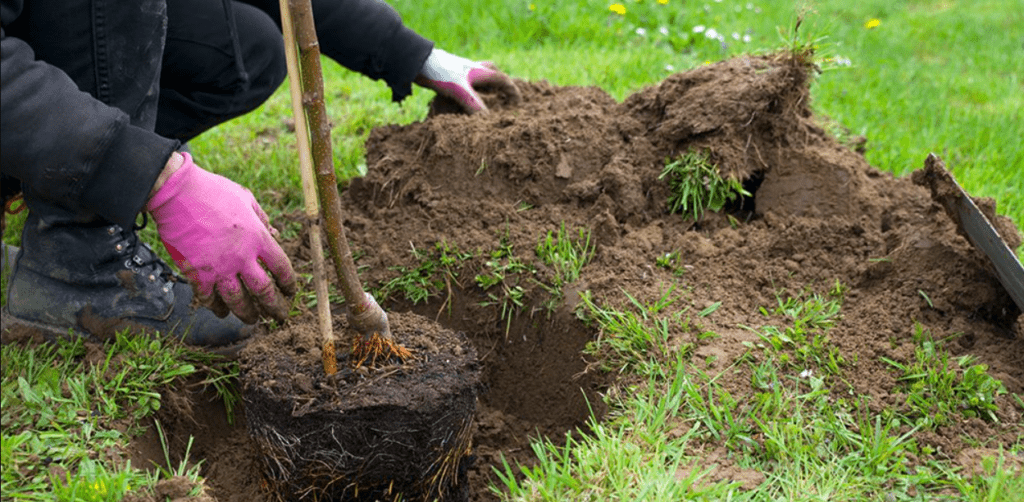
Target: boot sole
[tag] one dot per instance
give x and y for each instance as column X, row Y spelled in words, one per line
column 26, row 330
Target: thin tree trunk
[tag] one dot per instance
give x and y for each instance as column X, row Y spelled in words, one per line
column 364, row 314
column 309, row 193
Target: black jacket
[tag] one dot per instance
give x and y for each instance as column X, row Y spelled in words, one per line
column 63, row 143
column 77, row 143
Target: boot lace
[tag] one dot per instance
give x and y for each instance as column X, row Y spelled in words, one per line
column 143, row 260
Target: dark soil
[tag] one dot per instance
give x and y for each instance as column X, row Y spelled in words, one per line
column 573, row 156
column 374, row 431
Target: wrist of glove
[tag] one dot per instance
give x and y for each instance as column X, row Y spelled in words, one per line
column 458, row 78
column 222, row 240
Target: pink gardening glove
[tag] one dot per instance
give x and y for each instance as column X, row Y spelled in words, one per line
column 222, row 240
column 457, row 77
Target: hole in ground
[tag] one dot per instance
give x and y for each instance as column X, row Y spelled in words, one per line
column 534, row 383
column 746, row 205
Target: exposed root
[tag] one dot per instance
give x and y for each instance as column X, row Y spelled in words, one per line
column 445, row 470
column 375, row 348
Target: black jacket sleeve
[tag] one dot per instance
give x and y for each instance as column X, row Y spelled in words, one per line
column 366, row 36
column 67, row 146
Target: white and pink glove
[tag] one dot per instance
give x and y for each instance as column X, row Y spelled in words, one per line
column 457, row 78
column 222, row 240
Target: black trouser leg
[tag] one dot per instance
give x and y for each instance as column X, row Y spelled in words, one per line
column 110, row 48
column 76, row 270
column 365, row 36
column 222, row 60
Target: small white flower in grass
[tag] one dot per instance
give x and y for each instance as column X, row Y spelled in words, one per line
column 839, row 61
column 735, row 36
column 746, row 39
column 642, row 32
column 669, row 67
column 699, row 28
column 806, row 374
column 713, row 34
column 663, row 30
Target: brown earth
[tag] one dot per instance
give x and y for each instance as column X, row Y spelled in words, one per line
column 574, row 157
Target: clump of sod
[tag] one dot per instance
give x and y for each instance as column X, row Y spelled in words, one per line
column 696, row 186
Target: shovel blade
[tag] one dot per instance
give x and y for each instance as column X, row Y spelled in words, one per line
column 978, row 229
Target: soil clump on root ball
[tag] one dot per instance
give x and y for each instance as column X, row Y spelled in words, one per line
column 390, row 432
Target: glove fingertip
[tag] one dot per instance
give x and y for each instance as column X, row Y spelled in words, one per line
column 279, row 309
column 211, row 300
column 281, row 269
column 219, row 308
column 238, row 300
column 289, row 288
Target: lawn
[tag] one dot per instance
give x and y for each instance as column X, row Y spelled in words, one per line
column 912, row 77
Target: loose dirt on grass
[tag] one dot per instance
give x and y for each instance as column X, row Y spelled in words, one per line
column 573, row 157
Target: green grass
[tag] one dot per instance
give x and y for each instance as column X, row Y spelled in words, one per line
column 434, row 276
column 931, row 76
column 940, row 389
column 59, row 410
column 633, row 340
column 803, row 435
column 696, row 186
column 502, row 280
column 802, row 341
column 566, row 256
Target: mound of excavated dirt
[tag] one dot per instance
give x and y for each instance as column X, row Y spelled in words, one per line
column 573, row 156
column 490, row 186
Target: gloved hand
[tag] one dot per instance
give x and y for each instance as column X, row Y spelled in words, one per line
column 222, row 240
column 456, row 77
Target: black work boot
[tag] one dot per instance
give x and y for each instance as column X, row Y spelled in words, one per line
column 96, row 280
